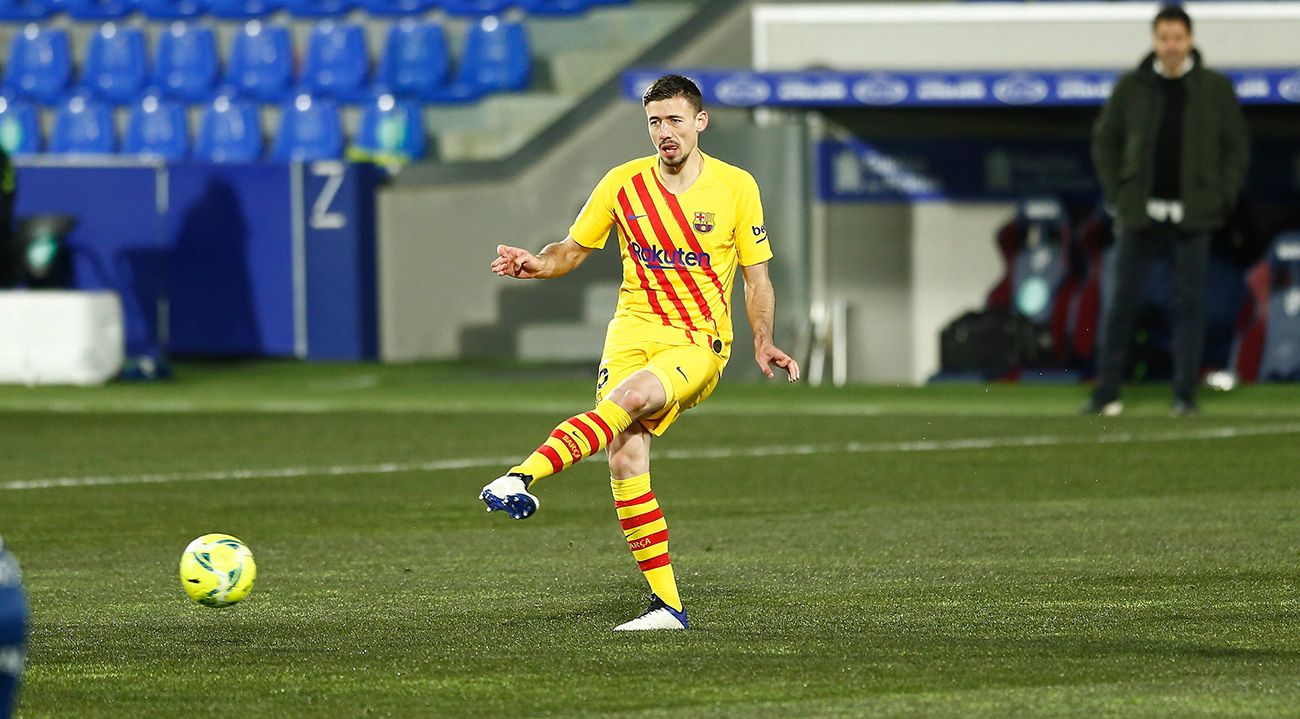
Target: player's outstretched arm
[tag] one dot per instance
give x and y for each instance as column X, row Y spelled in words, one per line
column 557, row 258
column 760, row 305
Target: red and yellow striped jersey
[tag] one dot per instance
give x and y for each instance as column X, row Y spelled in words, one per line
column 680, row 252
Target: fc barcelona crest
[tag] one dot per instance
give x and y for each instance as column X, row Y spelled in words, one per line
column 703, row 222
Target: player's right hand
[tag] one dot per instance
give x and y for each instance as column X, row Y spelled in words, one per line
column 515, row 262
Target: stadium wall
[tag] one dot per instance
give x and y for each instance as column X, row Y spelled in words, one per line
column 969, row 36
column 905, row 270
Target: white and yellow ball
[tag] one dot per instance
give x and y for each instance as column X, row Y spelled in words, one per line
column 217, row 570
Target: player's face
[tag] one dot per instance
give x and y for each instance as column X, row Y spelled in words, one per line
column 675, row 128
column 1173, row 43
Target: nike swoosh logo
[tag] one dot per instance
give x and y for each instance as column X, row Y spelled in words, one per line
column 683, row 374
column 634, row 217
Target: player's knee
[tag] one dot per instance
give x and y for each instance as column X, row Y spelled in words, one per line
column 633, row 400
column 640, row 395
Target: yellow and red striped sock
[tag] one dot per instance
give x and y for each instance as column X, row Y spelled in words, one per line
column 575, row 439
column 647, row 535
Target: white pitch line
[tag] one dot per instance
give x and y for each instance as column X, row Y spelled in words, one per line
column 279, row 473
column 936, row 445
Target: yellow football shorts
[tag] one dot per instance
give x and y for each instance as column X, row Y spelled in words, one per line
column 688, row 372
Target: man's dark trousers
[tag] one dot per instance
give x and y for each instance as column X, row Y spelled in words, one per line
column 1137, row 252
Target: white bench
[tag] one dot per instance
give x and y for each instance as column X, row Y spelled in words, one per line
column 56, row 337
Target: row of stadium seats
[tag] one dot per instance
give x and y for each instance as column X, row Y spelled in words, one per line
column 21, row 10
column 415, row 63
column 1056, row 276
column 230, row 130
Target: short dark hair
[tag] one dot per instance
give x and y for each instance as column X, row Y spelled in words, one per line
column 670, row 86
column 1174, row 13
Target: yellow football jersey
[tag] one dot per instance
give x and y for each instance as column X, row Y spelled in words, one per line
column 680, row 252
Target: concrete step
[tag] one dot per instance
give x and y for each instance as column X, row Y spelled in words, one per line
column 554, row 342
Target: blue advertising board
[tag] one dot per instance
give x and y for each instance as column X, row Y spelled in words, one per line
column 985, row 88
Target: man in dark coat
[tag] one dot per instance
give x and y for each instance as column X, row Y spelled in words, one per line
column 1171, row 151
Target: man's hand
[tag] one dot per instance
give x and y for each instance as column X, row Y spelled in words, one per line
column 555, row 259
column 515, row 262
column 769, row 354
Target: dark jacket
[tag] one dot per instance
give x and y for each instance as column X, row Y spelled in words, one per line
column 1215, row 150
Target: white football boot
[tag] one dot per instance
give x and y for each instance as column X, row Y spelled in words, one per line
column 509, row 494
column 657, row 616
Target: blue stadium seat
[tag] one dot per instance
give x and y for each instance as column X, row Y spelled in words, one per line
column 40, row 64
column 229, row 131
column 495, row 57
column 392, row 128
column 318, row 8
column 157, row 127
column 83, row 126
column 115, row 68
column 397, row 7
column 25, row 9
column 97, row 9
column 556, row 7
column 415, row 62
column 260, row 65
column 336, row 62
column 475, row 8
column 20, row 127
column 309, row 130
column 171, row 9
column 242, row 8
column 185, row 66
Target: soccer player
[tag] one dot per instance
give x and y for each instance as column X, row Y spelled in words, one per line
column 685, row 222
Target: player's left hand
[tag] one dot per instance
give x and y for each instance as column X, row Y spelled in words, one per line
column 769, row 355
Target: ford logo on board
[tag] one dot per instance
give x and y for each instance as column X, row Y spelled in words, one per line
column 1020, row 90
column 1289, row 88
column 880, row 90
column 743, row 90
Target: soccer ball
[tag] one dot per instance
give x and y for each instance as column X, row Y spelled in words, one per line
column 217, row 570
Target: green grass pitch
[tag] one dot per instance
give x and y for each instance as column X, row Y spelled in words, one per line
column 947, row 551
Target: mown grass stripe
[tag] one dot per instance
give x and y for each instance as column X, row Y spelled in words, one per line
column 940, row 445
